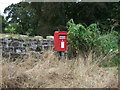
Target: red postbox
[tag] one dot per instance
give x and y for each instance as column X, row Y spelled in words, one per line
column 60, row 41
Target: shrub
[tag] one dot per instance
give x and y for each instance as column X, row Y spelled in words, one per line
column 11, row 28
column 89, row 38
column 107, row 43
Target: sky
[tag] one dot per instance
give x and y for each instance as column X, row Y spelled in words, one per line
column 5, row 3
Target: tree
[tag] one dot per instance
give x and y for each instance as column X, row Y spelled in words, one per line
column 3, row 23
column 44, row 18
column 0, row 23
column 50, row 17
column 20, row 14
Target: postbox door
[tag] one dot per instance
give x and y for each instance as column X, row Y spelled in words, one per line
column 62, row 42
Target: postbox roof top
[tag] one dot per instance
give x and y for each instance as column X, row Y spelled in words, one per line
column 61, row 32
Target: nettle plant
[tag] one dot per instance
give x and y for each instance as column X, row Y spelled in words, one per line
column 89, row 38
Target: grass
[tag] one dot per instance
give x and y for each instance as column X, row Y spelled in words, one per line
column 50, row 72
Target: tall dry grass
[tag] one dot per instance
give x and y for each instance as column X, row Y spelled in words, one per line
column 50, row 72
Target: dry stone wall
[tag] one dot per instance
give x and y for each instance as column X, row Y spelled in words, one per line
column 24, row 45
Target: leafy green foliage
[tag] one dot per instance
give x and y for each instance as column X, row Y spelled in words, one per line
column 11, row 28
column 36, row 18
column 21, row 15
column 45, row 18
column 90, row 38
column 3, row 23
column 107, row 43
column 115, row 61
column 82, row 38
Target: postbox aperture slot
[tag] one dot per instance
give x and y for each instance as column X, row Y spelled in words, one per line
column 62, row 36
